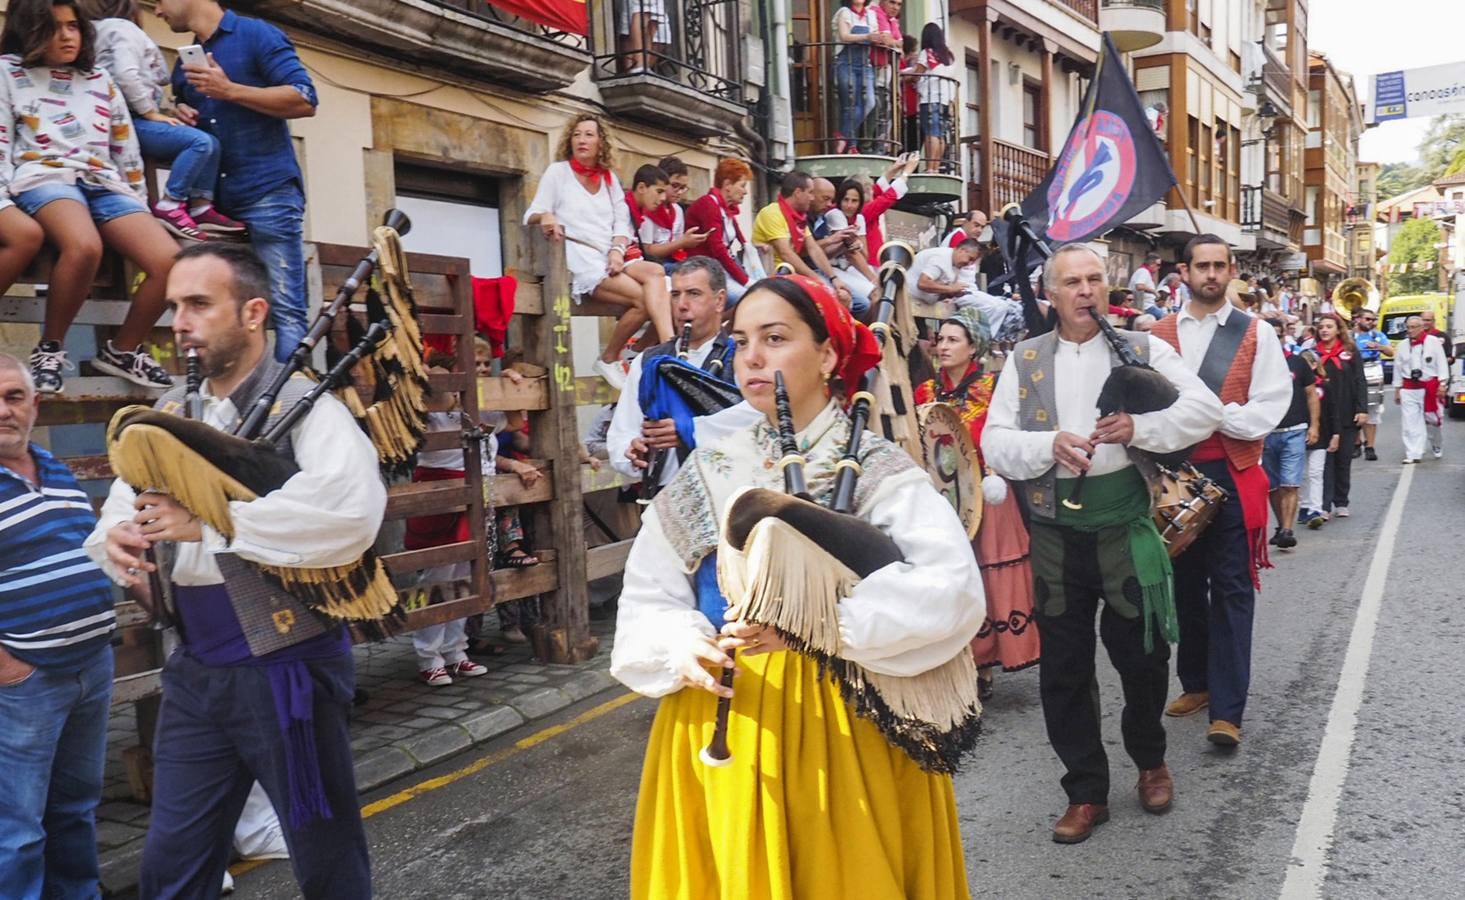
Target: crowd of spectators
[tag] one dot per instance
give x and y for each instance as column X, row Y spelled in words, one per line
column 83, row 105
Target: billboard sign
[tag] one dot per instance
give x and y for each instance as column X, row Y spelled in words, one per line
column 1411, row 93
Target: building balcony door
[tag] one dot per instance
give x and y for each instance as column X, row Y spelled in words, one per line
column 811, row 88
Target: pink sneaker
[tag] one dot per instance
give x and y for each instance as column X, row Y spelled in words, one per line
column 467, row 668
column 178, row 221
column 215, row 222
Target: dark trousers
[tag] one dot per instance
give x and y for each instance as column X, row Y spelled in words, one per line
column 1215, row 603
column 1069, row 686
column 217, row 734
column 1338, row 472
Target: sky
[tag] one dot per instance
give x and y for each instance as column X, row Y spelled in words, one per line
column 1365, row 37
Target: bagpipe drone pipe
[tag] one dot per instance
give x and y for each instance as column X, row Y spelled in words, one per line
column 205, row 469
column 784, row 561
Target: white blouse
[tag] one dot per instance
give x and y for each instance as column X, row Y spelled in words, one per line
column 596, row 218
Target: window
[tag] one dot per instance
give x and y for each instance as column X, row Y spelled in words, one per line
column 1193, row 153
column 1192, row 17
column 1314, row 109
column 1032, row 115
column 1310, row 205
column 971, row 123
column 454, row 213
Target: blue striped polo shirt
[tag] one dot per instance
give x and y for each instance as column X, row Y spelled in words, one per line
column 56, row 605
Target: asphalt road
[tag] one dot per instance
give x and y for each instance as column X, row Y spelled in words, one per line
column 553, row 820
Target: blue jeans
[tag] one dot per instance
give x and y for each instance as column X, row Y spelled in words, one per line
column 104, row 204
column 193, row 157
column 218, row 733
column 53, row 745
column 855, row 79
column 276, row 223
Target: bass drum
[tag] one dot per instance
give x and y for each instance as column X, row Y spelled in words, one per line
column 950, row 458
column 1188, row 501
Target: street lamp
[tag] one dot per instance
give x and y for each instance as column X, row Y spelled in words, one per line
column 1267, row 113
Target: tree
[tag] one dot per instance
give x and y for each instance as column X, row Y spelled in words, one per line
column 1396, row 178
column 1444, row 139
column 1415, row 243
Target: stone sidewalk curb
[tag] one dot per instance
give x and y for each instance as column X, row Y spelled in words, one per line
column 121, row 846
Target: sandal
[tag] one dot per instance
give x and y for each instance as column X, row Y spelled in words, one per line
column 515, row 558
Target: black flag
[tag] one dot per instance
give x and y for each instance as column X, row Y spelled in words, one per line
column 1112, row 166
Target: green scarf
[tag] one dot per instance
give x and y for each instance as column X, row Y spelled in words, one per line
column 1122, row 500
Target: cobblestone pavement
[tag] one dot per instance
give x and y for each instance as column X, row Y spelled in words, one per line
column 402, row 726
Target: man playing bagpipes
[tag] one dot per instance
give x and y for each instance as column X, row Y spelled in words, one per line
column 855, row 692
column 1042, row 430
column 261, row 687
column 652, row 448
column 1217, row 576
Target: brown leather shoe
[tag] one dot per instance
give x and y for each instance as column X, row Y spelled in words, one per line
column 1156, row 789
column 1224, row 734
column 1079, row 821
column 1188, row 704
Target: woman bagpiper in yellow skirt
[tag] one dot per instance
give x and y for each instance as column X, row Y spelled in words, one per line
column 839, row 783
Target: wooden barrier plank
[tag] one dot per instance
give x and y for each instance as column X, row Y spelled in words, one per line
column 509, row 490
column 109, row 313
column 501, row 394
column 508, row 585
column 428, row 498
column 132, row 688
column 592, row 390
column 90, row 468
column 607, row 559
column 450, row 382
column 528, row 298
column 436, row 323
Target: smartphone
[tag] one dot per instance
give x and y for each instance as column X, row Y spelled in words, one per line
column 193, row 55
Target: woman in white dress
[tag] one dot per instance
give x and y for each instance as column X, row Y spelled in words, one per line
column 580, row 201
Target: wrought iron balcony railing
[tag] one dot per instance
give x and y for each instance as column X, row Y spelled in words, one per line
column 489, row 13
column 694, row 43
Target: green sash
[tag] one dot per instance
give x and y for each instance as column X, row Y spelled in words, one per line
column 1117, row 511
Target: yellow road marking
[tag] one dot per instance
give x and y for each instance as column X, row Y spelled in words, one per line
column 441, row 781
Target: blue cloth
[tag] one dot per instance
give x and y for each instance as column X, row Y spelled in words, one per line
column 1216, row 603
column 1284, row 457
column 710, row 601
column 103, row 204
column 276, row 223
column 257, row 155
column 53, row 747
column 661, row 401
column 192, row 157
column 55, row 603
column 1369, row 354
column 854, row 78
column 217, row 735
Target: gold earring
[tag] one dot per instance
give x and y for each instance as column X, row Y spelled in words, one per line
column 253, row 327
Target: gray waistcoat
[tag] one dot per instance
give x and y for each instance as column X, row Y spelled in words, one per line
column 271, row 618
column 1037, row 410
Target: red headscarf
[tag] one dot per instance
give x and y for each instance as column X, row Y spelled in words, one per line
column 855, row 348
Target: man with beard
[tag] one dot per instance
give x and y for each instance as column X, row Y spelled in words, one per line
column 261, row 686
column 1216, row 577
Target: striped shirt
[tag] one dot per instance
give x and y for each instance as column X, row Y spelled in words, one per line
column 56, row 606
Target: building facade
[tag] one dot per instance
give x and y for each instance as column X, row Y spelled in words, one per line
column 1335, row 123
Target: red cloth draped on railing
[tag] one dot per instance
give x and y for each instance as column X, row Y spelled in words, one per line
column 566, row 15
column 493, row 307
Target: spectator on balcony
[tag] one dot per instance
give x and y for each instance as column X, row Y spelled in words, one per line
column 857, row 29
column 186, row 205
column 678, row 181
column 716, row 213
column 910, row 102
column 253, row 85
column 852, row 265
column 784, row 226
column 580, row 200
column 967, row 227
column 69, row 159
column 645, row 33
column 879, row 135
column 659, row 223
column 935, row 76
column 20, row 240
column 887, row 191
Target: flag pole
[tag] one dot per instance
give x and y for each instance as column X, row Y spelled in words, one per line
column 1194, row 223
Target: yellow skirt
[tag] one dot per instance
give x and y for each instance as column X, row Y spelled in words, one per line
column 816, row 803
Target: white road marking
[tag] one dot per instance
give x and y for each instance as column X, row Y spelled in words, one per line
column 1309, row 864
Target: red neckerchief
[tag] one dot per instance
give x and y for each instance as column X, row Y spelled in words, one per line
column 664, row 215
column 730, row 208
column 797, row 224
column 637, row 214
column 596, row 174
column 1330, row 353
column 950, row 390
column 1415, row 342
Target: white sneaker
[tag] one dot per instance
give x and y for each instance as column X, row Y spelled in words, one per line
column 1341, row 512
column 1439, row 454
column 228, row 887
column 613, row 373
column 1409, row 461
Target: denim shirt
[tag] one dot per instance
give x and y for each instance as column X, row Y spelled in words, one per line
column 256, row 154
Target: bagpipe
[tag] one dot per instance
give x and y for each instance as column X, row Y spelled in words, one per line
column 206, row 469
column 785, row 562
column 672, row 388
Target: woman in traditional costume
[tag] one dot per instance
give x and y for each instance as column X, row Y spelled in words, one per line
column 1008, row 637
column 839, row 778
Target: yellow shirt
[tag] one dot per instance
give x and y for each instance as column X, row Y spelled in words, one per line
column 770, row 225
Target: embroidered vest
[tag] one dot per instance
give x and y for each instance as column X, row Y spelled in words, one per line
column 271, row 618
column 1037, row 410
column 1235, row 386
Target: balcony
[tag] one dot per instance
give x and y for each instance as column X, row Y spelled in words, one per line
column 1016, row 171
column 917, row 113
column 1133, row 24
column 1088, row 10
column 1266, row 214
column 467, row 37
column 683, row 73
